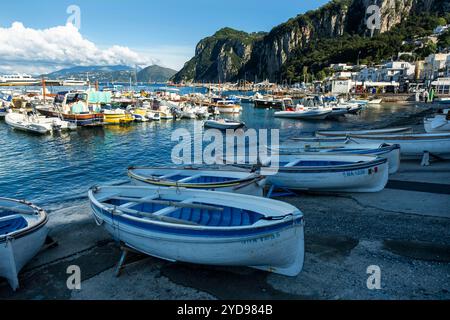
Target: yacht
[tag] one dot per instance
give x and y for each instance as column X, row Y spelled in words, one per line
column 73, row 82
column 18, row 79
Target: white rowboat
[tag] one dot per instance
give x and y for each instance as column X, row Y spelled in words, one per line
column 387, row 151
column 223, row 124
column 203, row 227
column 361, row 132
column 412, row 146
column 216, row 179
column 330, row 172
column 22, row 234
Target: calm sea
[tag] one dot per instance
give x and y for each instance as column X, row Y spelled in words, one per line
column 59, row 167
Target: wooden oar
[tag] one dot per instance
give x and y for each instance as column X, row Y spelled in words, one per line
column 159, row 218
column 171, row 203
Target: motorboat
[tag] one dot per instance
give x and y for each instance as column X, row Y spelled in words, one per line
column 307, row 113
column 223, row 124
column 36, row 124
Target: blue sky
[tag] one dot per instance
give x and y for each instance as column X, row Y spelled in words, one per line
column 165, row 31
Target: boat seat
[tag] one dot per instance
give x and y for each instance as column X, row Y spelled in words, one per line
column 230, row 217
column 11, row 224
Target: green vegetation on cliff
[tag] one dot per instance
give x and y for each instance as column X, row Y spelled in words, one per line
column 320, row 53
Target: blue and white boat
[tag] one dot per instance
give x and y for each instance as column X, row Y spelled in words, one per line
column 329, row 172
column 22, row 234
column 391, row 152
column 203, row 227
column 215, row 179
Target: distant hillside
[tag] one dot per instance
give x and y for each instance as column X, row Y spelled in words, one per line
column 155, row 74
column 117, row 73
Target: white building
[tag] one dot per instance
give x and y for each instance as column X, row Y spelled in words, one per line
column 368, row 74
column 435, row 66
column 396, row 71
column 341, row 86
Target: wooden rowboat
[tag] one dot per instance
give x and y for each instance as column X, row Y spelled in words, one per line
column 22, row 234
column 219, row 179
column 329, row 172
column 362, row 132
column 203, row 227
column 412, row 146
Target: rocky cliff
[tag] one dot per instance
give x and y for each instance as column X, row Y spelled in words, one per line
column 231, row 55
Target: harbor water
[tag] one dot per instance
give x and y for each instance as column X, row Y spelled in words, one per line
column 62, row 166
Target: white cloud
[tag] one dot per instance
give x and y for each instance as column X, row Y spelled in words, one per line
column 30, row 50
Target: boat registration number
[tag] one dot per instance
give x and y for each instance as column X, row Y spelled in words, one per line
column 262, row 239
column 355, row 173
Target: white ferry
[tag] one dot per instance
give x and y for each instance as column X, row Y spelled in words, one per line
column 18, row 80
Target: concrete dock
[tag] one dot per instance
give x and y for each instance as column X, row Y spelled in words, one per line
column 404, row 230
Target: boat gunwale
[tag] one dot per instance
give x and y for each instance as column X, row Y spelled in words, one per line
column 406, row 137
column 289, row 218
column 339, row 168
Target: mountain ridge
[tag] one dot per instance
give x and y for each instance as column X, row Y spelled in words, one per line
column 278, row 54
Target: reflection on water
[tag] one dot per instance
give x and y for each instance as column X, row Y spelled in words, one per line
column 64, row 165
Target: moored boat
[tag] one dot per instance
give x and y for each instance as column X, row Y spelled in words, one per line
column 306, row 113
column 203, row 227
column 36, row 124
column 22, row 234
column 330, row 172
column 117, row 116
column 362, row 132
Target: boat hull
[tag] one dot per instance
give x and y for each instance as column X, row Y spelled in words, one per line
column 14, row 255
column 78, row 119
column 283, row 246
column 20, row 243
column 118, row 118
column 307, row 115
column 14, row 122
column 389, row 152
column 222, row 126
column 265, row 104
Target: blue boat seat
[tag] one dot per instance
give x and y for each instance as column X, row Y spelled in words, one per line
column 229, row 217
column 14, row 224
